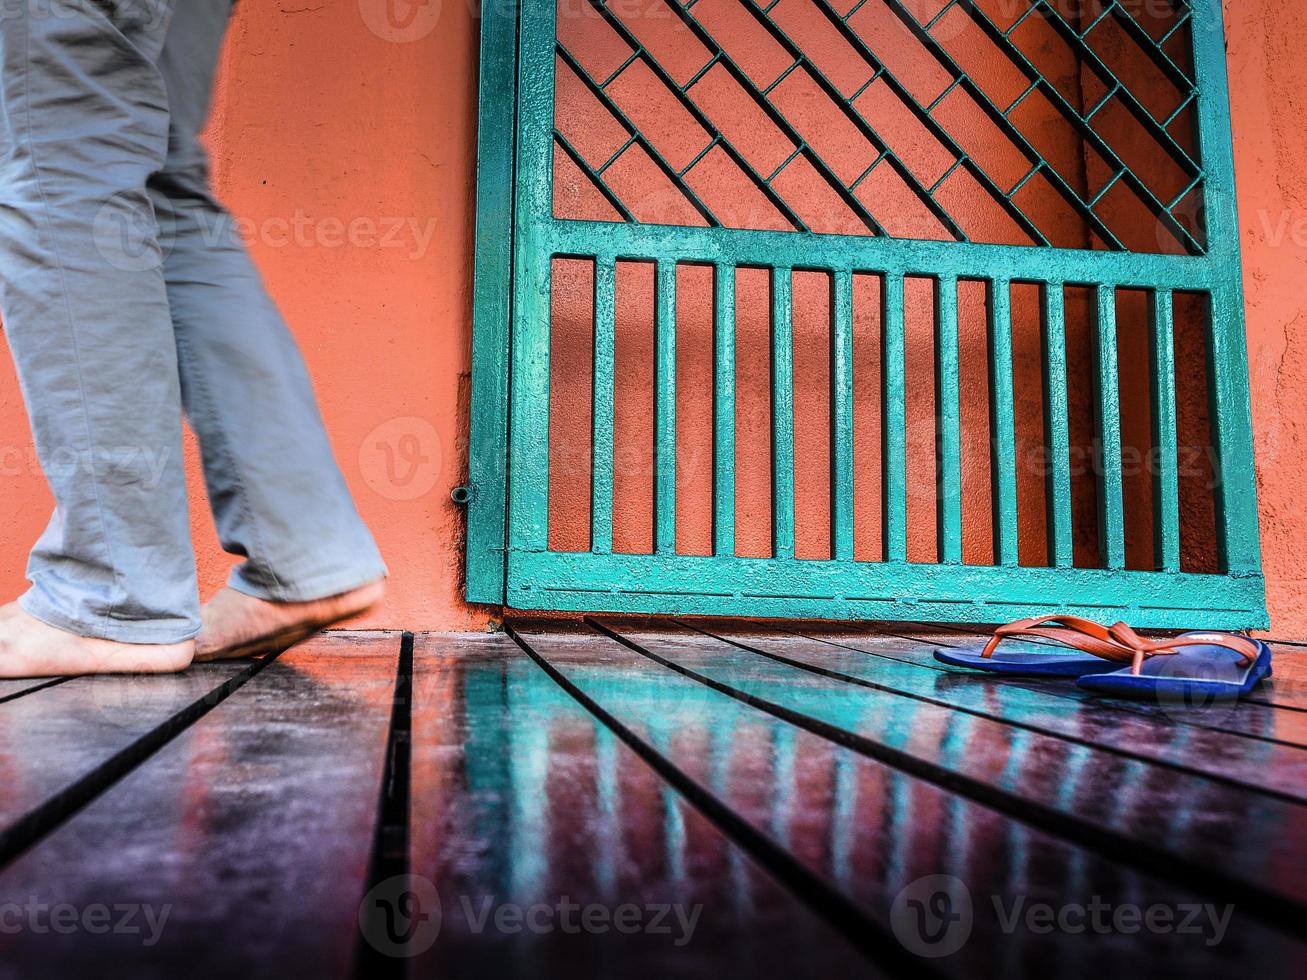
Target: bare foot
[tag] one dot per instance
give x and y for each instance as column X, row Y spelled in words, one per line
column 239, row 625
column 30, row 648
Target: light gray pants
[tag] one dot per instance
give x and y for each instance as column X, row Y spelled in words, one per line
column 127, row 296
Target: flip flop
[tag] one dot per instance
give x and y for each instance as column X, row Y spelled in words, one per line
column 1195, row 667
column 1091, row 649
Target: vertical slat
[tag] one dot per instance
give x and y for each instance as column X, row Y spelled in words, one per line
column 1057, row 435
column 841, row 382
column 894, row 522
column 1111, row 522
column 528, row 431
column 1166, row 489
column 948, row 421
column 1003, row 460
column 782, row 396
column 1238, row 540
column 601, row 486
column 491, row 306
column 665, row 409
column 724, row 410
column 1238, row 537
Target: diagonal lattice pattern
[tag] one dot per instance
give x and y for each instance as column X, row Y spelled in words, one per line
column 1064, row 123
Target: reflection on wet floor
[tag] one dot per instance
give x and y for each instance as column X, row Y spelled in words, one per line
column 581, row 815
column 646, row 799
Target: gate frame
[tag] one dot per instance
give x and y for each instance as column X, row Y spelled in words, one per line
column 492, row 305
column 1236, row 596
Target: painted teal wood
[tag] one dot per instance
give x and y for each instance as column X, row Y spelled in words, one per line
column 782, row 401
column 1111, row 513
column 841, row 383
column 1166, row 489
column 911, row 591
column 724, row 409
column 1057, row 437
column 601, row 482
column 528, row 472
column 1238, row 537
column 948, row 421
column 665, row 408
column 842, row 588
column 894, row 438
column 577, row 236
column 491, row 305
column 1003, row 460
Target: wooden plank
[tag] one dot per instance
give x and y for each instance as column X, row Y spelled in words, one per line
column 948, row 421
column 12, row 690
column 904, row 827
column 601, row 502
column 1092, row 798
column 1003, row 454
column 665, row 409
column 893, row 416
column 1247, row 717
column 1256, row 716
column 63, row 744
column 1111, row 519
column 260, row 814
column 724, row 409
column 1057, row 432
column 782, row 401
column 1287, row 687
column 1210, row 741
column 841, row 385
column 1150, row 733
column 522, row 799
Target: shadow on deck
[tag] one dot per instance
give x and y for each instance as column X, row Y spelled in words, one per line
column 645, row 799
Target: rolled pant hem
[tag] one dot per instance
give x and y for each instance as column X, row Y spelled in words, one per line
column 154, row 632
column 307, row 588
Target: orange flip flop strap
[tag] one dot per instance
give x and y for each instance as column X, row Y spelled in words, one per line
column 1247, row 649
column 1073, row 631
column 1118, row 642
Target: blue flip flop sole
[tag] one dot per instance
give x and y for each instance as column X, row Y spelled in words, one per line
column 1197, row 674
column 1055, row 663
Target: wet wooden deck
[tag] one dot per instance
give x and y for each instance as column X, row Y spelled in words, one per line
column 646, row 799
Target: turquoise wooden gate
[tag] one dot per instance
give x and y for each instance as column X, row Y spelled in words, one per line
column 519, row 237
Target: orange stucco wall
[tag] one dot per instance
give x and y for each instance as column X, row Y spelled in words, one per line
column 348, row 148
